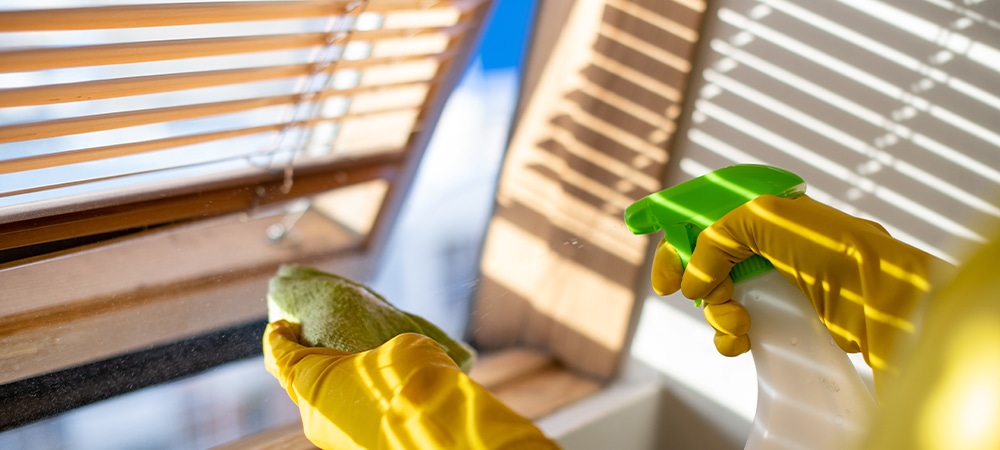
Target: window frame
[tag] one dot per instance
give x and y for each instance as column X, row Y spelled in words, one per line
column 86, row 318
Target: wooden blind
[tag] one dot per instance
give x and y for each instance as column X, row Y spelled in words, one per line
column 113, row 117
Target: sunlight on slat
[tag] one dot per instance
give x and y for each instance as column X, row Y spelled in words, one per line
column 694, row 5
column 638, row 77
column 979, row 52
column 571, row 177
column 646, row 48
column 851, row 142
column 885, row 51
column 664, row 23
column 638, row 144
column 837, row 170
column 658, row 119
column 620, row 168
column 861, row 76
column 859, row 111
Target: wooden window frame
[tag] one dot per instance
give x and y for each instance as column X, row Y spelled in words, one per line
column 181, row 270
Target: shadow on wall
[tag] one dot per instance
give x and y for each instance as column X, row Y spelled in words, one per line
column 559, row 268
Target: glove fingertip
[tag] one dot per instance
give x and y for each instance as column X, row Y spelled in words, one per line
column 662, row 287
column 667, row 270
column 701, row 278
column 282, row 329
column 697, row 286
column 729, row 318
column 281, row 338
column 694, row 287
column 722, row 292
column 729, row 345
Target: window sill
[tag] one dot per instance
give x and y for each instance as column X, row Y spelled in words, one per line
column 156, row 288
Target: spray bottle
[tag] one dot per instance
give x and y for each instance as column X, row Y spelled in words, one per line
column 809, row 394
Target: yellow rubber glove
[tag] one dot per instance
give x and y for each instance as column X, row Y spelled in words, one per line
column 865, row 285
column 405, row 394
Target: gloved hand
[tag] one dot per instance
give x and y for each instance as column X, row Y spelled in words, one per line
column 865, row 285
column 336, row 312
column 405, row 394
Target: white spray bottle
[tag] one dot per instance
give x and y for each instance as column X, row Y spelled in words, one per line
column 809, row 394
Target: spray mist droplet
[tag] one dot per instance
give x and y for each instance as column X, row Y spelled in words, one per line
column 795, row 341
column 276, row 232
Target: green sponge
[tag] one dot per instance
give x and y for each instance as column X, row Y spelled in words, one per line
column 338, row 313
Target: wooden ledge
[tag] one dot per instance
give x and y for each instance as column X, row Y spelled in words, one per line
column 531, row 382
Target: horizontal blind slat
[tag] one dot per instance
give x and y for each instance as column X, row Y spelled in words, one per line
column 138, row 52
column 239, row 193
column 138, row 16
column 102, row 122
column 111, row 121
column 133, row 148
column 151, row 84
column 154, row 84
column 206, row 138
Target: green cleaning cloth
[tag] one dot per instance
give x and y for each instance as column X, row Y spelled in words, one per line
column 338, row 313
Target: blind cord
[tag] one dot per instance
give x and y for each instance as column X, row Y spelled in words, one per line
column 307, row 107
column 338, row 37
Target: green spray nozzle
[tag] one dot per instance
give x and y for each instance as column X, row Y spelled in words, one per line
column 684, row 210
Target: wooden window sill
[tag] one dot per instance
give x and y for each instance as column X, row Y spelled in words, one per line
column 154, row 289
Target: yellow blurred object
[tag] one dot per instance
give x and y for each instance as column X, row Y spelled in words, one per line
column 405, row 394
column 865, row 285
column 949, row 394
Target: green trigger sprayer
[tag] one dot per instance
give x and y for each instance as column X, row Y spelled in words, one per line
column 683, row 211
column 809, row 395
